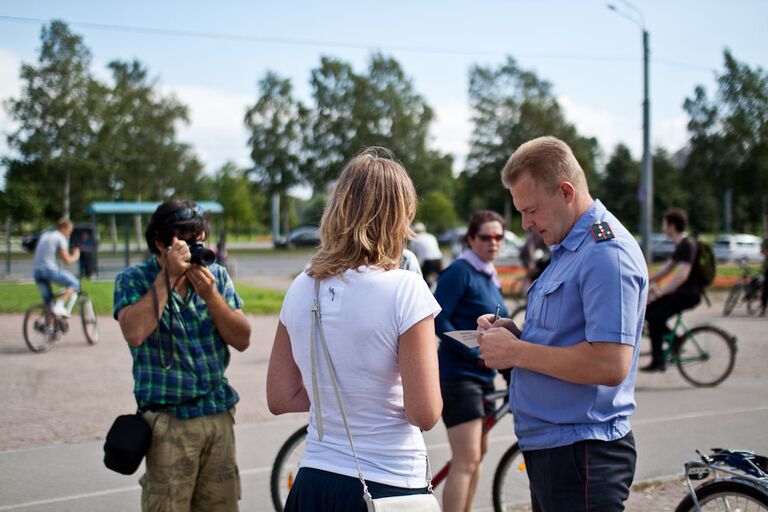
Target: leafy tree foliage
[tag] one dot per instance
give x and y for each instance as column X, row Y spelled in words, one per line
column 381, row 108
column 137, row 143
column 509, row 107
column 56, row 115
column 277, row 124
column 81, row 140
column 620, row 183
column 437, row 211
column 728, row 148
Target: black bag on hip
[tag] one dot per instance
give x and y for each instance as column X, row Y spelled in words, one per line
column 127, row 443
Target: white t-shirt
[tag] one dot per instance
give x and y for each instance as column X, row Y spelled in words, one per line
column 426, row 248
column 363, row 316
column 48, row 247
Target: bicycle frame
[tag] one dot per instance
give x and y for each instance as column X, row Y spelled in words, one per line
column 737, row 465
column 488, row 423
column 682, row 331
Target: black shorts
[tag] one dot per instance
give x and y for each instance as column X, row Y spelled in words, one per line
column 463, row 401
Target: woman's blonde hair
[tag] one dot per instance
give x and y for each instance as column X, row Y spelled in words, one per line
column 367, row 220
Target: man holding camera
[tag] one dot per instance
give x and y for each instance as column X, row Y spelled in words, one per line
column 179, row 313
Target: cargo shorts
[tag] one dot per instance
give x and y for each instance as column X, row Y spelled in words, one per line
column 191, row 464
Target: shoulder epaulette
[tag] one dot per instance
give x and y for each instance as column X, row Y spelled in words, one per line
column 601, row 231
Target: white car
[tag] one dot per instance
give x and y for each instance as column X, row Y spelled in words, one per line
column 737, row 247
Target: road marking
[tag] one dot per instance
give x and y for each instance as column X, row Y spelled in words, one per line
column 433, row 446
column 87, row 495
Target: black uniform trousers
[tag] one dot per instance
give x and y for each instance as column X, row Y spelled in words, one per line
column 586, row 476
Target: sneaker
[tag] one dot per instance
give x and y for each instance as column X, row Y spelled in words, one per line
column 654, row 367
column 60, row 310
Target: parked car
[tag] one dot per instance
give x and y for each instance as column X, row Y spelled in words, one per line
column 737, row 247
column 662, row 247
column 510, row 251
column 304, row 236
column 451, row 237
column 29, row 242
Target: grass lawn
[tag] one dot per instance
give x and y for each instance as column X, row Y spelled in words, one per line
column 17, row 297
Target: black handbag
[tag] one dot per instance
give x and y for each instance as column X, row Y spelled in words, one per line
column 127, row 443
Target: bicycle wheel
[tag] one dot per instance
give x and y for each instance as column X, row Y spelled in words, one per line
column 39, row 328
column 707, row 355
column 733, row 298
column 726, row 495
column 285, row 467
column 510, row 481
column 88, row 316
column 518, row 315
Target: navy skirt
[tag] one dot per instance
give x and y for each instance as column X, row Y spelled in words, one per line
column 316, row 490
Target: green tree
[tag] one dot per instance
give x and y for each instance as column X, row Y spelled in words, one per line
column 277, row 125
column 509, row 107
column 436, row 211
column 56, row 116
column 668, row 191
column 235, row 192
column 137, row 143
column 381, row 108
column 728, row 148
column 620, row 183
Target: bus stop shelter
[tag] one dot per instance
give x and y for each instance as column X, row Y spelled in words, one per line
column 125, row 211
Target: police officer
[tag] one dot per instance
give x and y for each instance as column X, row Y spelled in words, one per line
column 572, row 387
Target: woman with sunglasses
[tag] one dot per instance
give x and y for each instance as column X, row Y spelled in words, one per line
column 467, row 289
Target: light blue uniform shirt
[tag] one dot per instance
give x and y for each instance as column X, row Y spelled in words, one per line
column 591, row 291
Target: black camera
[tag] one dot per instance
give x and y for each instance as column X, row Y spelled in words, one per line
column 201, row 255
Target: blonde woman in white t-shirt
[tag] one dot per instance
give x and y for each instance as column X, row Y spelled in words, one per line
column 378, row 322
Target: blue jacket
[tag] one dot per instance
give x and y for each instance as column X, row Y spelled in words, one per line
column 464, row 294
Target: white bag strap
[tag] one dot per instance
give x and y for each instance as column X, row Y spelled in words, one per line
column 316, row 317
column 316, row 321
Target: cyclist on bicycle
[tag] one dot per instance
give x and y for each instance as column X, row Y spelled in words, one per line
column 682, row 291
column 46, row 269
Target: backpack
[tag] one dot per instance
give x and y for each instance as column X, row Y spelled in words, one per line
column 707, row 263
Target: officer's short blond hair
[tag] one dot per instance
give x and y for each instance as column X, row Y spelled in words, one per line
column 548, row 161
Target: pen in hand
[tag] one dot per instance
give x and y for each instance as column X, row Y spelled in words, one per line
column 496, row 315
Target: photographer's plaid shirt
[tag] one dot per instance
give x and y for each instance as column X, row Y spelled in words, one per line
column 195, row 384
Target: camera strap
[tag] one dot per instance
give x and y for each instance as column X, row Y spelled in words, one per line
column 158, row 317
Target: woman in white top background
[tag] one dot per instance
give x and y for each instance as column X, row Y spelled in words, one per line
column 378, row 322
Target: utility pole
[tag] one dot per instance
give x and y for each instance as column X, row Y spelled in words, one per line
column 646, row 187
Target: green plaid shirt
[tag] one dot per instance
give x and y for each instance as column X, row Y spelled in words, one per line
column 195, row 384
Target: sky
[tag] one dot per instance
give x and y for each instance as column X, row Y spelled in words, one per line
column 211, row 55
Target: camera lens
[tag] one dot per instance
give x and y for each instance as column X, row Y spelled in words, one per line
column 200, row 254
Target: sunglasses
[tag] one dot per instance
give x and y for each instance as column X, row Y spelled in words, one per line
column 488, row 238
column 187, row 213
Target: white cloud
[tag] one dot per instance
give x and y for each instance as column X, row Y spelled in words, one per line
column 10, row 87
column 609, row 128
column 451, row 131
column 671, row 133
column 216, row 130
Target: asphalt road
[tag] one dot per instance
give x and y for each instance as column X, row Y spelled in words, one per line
column 58, row 406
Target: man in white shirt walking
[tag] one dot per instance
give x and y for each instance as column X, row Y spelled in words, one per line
column 427, row 252
column 46, row 268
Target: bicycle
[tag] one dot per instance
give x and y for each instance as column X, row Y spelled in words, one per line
column 747, row 290
column 704, row 354
column 745, row 489
column 42, row 327
column 510, row 479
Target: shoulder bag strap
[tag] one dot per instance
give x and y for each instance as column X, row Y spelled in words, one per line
column 316, row 317
column 316, row 321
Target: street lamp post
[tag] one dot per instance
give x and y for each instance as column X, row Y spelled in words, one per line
column 647, row 178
